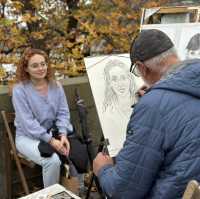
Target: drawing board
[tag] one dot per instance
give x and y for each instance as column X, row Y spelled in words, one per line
column 113, row 88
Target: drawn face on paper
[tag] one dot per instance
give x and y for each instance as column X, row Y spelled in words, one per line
column 119, row 81
column 193, row 54
column 193, row 47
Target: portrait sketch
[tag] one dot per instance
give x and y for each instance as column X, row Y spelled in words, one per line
column 193, row 47
column 113, row 88
column 119, row 88
column 189, row 47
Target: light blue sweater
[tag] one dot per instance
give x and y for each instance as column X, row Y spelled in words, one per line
column 35, row 113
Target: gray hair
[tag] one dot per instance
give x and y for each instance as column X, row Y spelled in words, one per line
column 155, row 62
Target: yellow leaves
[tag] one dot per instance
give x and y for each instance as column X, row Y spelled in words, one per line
column 29, row 18
column 17, row 5
column 8, row 59
column 69, row 44
column 80, row 39
column 151, row 4
column 88, row 26
column 2, row 72
column 77, row 53
column 18, row 40
column 59, row 66
column 6, row 22
column 26, row 17
column 15, row 30
column 36, row 3
column 39, row 35
column 130, row 16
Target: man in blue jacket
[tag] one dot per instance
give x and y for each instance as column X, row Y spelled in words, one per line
column 162, row 148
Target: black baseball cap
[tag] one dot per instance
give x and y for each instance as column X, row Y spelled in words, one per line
column 148, row 44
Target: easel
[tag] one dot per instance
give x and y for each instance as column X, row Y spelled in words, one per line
column 103, row 148
column 82, row 111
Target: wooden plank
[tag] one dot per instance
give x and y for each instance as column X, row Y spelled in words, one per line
column 174, row 10
column 194, row 12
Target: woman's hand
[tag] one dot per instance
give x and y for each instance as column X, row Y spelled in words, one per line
column 56, row 144
column 65, row 144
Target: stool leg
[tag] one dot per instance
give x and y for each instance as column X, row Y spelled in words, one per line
column 12, row 144
column 22, row 177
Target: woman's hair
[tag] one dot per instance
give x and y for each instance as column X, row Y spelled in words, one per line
column 194, row 43
column 110, row 96
column 22, row 75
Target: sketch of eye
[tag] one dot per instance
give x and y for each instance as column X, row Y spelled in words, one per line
column 114, row 79
column 123, row 77
column 118, row 79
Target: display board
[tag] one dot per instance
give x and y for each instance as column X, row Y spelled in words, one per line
column 186, row 37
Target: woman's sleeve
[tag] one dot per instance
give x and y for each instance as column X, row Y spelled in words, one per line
column 25, row 118
column 63, row 114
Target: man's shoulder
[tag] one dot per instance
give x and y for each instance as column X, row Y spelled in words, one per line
column 190, row 64
column 152, row 98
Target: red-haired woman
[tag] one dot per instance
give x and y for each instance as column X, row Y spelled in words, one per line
column 39, row 101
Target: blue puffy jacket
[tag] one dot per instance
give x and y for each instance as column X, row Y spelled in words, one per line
column 162, row 148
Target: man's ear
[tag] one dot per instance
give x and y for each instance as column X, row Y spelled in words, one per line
column 142, row 68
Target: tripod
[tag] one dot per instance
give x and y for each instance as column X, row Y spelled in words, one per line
column 82, row 111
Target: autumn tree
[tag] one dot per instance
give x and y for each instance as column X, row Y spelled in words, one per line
column 68, row 30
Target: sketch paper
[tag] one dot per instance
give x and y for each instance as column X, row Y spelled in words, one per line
column 113, row 88
column 49, row 191
column 185, row 36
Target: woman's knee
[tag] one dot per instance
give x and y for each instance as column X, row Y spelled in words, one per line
column 55, row 160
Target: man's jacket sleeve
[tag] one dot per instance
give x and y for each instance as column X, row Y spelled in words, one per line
column 137, row 164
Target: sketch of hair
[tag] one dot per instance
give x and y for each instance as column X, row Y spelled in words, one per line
column 111, row 96
column 193, row 47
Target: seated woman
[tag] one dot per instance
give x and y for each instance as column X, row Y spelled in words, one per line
column 39, row 101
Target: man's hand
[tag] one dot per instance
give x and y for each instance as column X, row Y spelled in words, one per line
column 142, row 90
column 100, row 161
column 65, row 144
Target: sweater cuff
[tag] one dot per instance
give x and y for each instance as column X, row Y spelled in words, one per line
column 62, row 130
column 46, row 137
